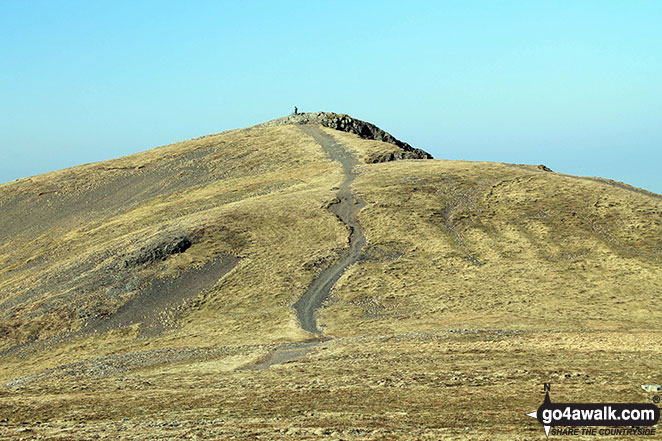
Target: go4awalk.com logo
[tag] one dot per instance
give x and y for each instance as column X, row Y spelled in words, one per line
column 588, row 418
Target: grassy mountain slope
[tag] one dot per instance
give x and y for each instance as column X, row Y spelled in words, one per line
column 166, row 280
column 499, row 246
column 244, row 193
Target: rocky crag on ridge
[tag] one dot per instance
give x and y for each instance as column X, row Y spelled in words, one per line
column 348, row 124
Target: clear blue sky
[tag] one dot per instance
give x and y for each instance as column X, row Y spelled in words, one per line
column 575, row 85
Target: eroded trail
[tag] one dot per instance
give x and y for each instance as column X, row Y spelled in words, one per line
column 347, row 210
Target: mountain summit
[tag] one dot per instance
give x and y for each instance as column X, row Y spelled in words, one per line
column 363, row 129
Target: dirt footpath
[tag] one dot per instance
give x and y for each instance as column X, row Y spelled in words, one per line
column 347, row 210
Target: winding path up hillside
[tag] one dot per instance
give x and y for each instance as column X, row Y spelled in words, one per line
column 346, row 209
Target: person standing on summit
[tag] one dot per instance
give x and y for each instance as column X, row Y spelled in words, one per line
column 296, row 111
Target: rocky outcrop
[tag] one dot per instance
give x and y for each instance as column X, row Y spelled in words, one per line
column 346, row 123
column 157, row 251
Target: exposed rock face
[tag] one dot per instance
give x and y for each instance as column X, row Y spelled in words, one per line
column 158, row 251
column 346, row 123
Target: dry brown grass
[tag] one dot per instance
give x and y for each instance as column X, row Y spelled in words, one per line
column 572, row 265
column 267, row 210
column 497, row 246
column 434, row 386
